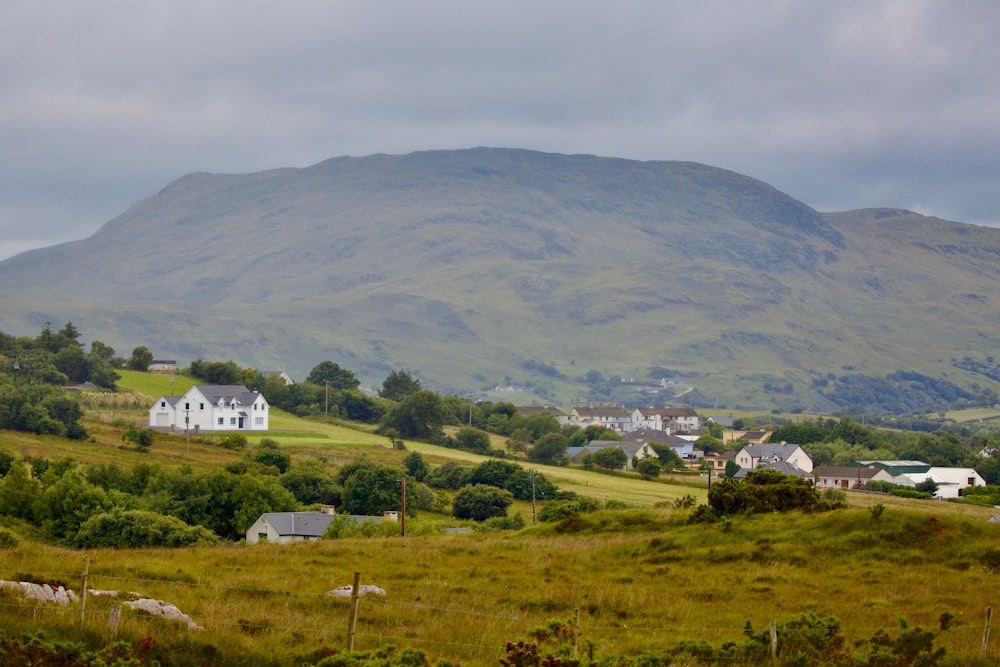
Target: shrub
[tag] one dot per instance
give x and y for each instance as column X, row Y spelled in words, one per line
column 134, row 529
column 8, row 540
column 480, row 502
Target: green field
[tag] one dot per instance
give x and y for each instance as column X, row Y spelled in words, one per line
column 635, row 580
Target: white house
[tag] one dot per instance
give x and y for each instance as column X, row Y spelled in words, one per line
column 950, row 481
column 849, row 477
column 283, row 527
column 634, row 451
column 616, row 418
column 211, row 408
column 753, row 456
column 666, row 419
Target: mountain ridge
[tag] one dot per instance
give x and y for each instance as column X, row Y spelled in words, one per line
column 478, row 264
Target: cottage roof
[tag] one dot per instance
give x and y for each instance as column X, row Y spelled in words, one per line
column 783, row 467
column 604, row 411
column 655, row 435
column 228, row 393
column 301, row 524
column 768, row 450
column 668, row 412
column 845, row 472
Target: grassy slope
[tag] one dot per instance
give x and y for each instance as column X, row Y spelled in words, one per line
column 640, row 579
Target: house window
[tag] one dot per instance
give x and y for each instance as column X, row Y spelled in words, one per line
column 262, row 537
column 259, row 421
column 201, row 406
column 972, row 481
column 163, row 404
column 221, row 421
column 232, row 421
column 187, row 406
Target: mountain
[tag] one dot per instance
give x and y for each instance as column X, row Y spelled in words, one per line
column 487, row 266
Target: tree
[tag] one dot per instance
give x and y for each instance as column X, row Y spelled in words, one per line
column 473, row 439
column 611, row 458
column 374, row 488
column 398, row 385
column 416, row 466
column 519, row 441
column 139, row 436
column 418, row 415
column 140, row 360
column 102, row 351
column 551, row 449
column 451, row 475
column 648, row 468
column 310, row 483
column 480, row 502
column 327, row 373
column 136, row 529
column 269, row 453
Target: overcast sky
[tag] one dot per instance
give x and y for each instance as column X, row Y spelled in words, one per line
column 843, row 105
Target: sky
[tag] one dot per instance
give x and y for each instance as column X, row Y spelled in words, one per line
column 843, row 105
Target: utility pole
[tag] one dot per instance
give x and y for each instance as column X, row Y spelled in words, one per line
column 402, row 514
column 326, row 405
column 534, row 514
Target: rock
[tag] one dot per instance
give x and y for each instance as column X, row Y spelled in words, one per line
column 364, row 589
column 164, row 609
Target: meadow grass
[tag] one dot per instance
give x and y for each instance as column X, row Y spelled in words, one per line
column 638, row 579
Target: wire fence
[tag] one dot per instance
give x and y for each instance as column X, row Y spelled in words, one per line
column 517, row 625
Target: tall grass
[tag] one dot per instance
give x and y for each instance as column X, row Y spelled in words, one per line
column 639, row 580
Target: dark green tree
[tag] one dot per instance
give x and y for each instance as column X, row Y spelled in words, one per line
column 648, row 468
column 450, row 475
column 418, row 415
column 140, row 360
column 611, row 458
column 398, row 385
column 327, row 373
column 549, row 449
column 269, row 453
column 473, row 439
column 480, row 502
column 416, row 466
column 311, row 484
column 374, row 488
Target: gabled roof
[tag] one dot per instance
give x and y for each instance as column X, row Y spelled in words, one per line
column 299, row 524
column 767, row 450
column 845, row 472
column 604, row 411
column 784, row 468
column 668, row 412
column 228, row 393
column 655, row 435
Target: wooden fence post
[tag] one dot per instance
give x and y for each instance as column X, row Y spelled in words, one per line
column 774, row 640
column 84, row 575
column 986, row 631
column 352, row 620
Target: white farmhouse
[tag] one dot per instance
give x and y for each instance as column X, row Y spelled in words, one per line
column 211, row 408
column 767, row 455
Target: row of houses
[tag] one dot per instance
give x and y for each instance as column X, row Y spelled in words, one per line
column 622, row 420
column 793, row 460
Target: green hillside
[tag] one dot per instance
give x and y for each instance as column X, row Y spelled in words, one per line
column 474, row 267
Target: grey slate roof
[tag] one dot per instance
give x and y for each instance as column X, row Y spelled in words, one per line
column 304, row 524
column 213, row 392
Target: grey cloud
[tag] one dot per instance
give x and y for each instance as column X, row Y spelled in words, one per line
column 842, row 105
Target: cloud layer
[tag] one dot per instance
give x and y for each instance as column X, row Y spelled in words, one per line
column 842, row 105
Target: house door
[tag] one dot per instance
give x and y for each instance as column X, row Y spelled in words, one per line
column 241, row 422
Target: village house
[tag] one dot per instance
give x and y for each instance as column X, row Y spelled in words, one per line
column 162, row 366
column 766, row 455
column 530, row 410
column 950, row 481
column 849, row 477
column 284, row 527
column 672, row 420
column 634, row 451
column 616, row 418
column 211, row 408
